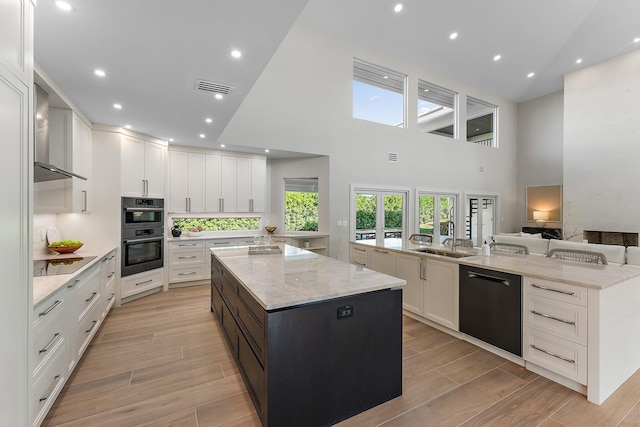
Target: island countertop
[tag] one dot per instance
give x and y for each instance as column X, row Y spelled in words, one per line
column 298, row 276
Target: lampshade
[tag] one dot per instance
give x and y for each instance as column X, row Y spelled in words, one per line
column 541, row 215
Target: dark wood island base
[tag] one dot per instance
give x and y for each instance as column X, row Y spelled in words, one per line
column 313, row 364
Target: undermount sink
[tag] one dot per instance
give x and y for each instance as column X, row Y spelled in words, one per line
column 443, row 253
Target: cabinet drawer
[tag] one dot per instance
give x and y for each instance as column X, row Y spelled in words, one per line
column 229, row 291
column 253, row 373
column 216, row 302
column 229, row 326
column 556, row 290
column 558, row 355
column 49, row 341
column 110, row 295
column 48, row 308
column 108, row 266
column 137, row 283
column 220, row 243
column 186, row 274
column 86, row 329
column 188, row 244
column 286, row 240
column 186, row 257
column 47, row 387
column 359, row 256
column 557, row 318
column 244, row 241
column 251, row 319
column 86, row 294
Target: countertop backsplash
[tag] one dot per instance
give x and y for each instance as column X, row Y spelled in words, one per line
column 41, row 223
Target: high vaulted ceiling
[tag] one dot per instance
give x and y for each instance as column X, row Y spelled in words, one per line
column 154, row 50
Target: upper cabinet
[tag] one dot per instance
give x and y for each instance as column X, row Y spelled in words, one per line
column 186, row 181
column 142, row 167
column 212, row 182
column 16, row 38
column 250, row 184
column 69, row 146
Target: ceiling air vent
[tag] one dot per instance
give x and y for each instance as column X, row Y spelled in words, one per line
column 393, row 157
column 207, row 86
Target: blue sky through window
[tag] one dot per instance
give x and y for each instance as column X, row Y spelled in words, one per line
column 379, row 105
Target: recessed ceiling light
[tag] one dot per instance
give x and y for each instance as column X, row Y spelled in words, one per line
column 636, row 40
column 117, row 106
column 222, row 145
column 218, row 96
column 398, row 7
column 208, row 120
column 426, row 90
column 99, row 73
column 578, row 61
column 497, row 57
column 202, row 135
column 236, row 53
column 266, row 150
column 170, row 139
column 64, row 5
column 127, row 126
column 385, row 77
column 531, row 75
column 453, row 36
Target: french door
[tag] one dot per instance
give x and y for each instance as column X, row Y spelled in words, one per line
column 480, row 218
column 380, row 216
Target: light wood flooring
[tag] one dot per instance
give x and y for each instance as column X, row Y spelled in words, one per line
column 163, row 361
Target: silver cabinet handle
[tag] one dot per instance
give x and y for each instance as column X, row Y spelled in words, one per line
column 48, row 310
column 359, row 250
column 84, row 200
column 250, row 205
column 93, row 295
column 75, row 282
column 423, row 269
column 112, row 295
column 553, row 354
column 187, row 257
column 187, row 244
column 144, row 187
column 221, row 243
column 93, row 325
column 146, row 281
column 189, row 204
column 55, row 381
column 359, row 263
column 187, row 274
column 222, row 210
column 219, row 205
column 49, row 344
column 568, row 322
column 381, row 251
column 544, row 288
column 111, row 275
column 186, row 204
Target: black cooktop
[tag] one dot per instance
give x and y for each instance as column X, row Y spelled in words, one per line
column 51, row 267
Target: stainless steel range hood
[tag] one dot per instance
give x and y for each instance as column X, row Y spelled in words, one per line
column 43, row 170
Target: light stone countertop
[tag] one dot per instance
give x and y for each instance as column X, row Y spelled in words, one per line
column 298, row 277
column 538, row 266
column 43, row 286
column 210, row 235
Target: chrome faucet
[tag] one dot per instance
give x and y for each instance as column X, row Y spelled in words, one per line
column 453, row 234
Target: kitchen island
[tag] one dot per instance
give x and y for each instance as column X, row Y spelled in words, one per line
column 316, row 340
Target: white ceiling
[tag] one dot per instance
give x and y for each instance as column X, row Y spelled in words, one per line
column 153, row 50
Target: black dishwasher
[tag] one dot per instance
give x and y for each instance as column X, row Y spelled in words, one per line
column 491, row 307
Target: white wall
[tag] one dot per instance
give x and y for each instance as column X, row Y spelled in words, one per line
column 540, row 148
column 303, row 102
column 299, row 168
column 602, row 147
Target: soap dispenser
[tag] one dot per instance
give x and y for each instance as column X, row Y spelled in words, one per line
column 486, row 250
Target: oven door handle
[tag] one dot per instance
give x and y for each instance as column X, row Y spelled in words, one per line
column 142, row 209
column 153, row 239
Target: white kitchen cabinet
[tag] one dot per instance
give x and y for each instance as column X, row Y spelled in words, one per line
column 142, row 167
column 108, row 282
column 382, row 261
column 250, row 184
column 141, row 282
column 220, row 187
column 70, row 148
column 412, row 269
column 441, row 293
column 317, row 244
column 186, row 181
column 187, row 261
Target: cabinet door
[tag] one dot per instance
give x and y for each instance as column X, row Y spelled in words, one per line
column 228, row 179
column 383, row 261
column 213, row 183
column 154, row 158
column 132, row 163
column 178, row 181
column 79, row 189
column 196, row 182
column 441, row 293
column 258, row 184
column 412, row 269
column 243, row 184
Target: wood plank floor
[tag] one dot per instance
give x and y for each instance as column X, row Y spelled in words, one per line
column 163, row 361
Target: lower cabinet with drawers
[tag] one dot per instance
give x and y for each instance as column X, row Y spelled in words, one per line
column 63, row 325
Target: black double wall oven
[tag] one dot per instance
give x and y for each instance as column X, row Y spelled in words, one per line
column 142, row 235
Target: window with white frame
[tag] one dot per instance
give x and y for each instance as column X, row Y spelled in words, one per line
column 379, row 215
column 378, row 94
column 482, row 122
column 301, row 204
column 436, row 109
column 437, row 214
